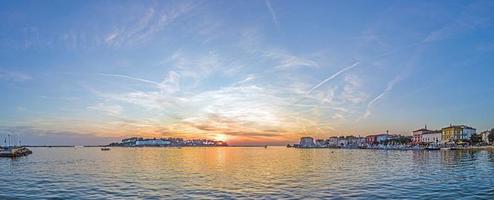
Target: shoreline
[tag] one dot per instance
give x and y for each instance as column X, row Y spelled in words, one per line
column 406, row 149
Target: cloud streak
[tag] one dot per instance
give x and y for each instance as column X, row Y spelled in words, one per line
column 332, row 77
column 169, row 85
column 273, row 14
column 112, row 110
column 14, row 76
column 376, row 99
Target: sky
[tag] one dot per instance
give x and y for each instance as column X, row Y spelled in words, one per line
column 247, row 72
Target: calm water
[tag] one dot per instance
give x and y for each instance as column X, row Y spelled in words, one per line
column 234, row 172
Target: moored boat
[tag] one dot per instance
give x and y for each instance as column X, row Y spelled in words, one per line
column 433, row 147
column 105, row 149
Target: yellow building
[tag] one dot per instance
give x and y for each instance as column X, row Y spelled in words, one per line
column 455, row 133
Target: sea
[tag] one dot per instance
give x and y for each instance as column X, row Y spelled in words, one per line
column 247, row 173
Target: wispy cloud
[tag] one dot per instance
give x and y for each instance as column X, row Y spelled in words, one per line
column 476, row 15
column 273, row 14
column 376, row 99
column 152, row 21
column 112, row 110
column 285, row 60
column 275, row 57
column 13, row 76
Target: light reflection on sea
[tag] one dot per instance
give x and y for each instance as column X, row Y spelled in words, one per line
column 237, row 172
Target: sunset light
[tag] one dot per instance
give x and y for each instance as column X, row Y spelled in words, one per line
column 246, row 99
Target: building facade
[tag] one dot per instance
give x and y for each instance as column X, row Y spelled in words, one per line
column 431, row 137
column 371, row 139
column 382, row 138
column 455, row 133
column 333, row 141
column 485, row 136
column 152, row 142
column 417, row 135
column 307, row 142
column 321, row 143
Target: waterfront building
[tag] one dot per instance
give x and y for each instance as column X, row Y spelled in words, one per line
column 152, row 142
column 307, row 142
column 321, row 143
column 135, row 141
column 342, row 142
column 355, row 141
column 431, row 137
column 370, row 139
column 131, row 141
column 361, row 141
column 382, row 137
column 457, row 132
column 333, row 141
column 417, row 135
column 485, row 136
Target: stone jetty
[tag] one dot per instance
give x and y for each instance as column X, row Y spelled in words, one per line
column 13, row 152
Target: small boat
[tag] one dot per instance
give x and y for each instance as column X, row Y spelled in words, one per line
column 265, row 146
column 105, row 149
column 433, row 147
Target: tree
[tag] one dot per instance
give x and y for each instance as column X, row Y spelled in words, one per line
column 491, row 136
column 476, row 138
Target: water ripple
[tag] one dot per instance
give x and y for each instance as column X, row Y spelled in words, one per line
column 247, row 173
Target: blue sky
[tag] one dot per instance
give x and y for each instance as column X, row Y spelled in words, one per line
column 249, row 72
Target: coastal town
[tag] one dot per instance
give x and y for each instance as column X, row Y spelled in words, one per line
column 167, row 142
column 450, row 137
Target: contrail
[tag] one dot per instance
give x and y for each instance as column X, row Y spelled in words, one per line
column 388, row 88
column 164, row 86
column 132, row 78
column 333, row 76
column 273, row 14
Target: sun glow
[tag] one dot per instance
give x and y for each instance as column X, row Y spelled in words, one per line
column 221, row 137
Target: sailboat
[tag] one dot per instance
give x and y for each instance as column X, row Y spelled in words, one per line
column 13, row 151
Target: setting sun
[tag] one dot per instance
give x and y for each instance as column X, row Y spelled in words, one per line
column 221, row 137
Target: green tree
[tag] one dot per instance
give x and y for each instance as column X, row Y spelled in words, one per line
column 476, row 138
column 491, row 136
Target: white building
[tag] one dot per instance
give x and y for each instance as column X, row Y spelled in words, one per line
column 333, row 141
column 382, row 137
column 417, row 135
column 342, row 142
column 485, row 136
column 307, row 142
column 152, row 142
column 431, row 137
column 321, row 143
column 131, row 141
